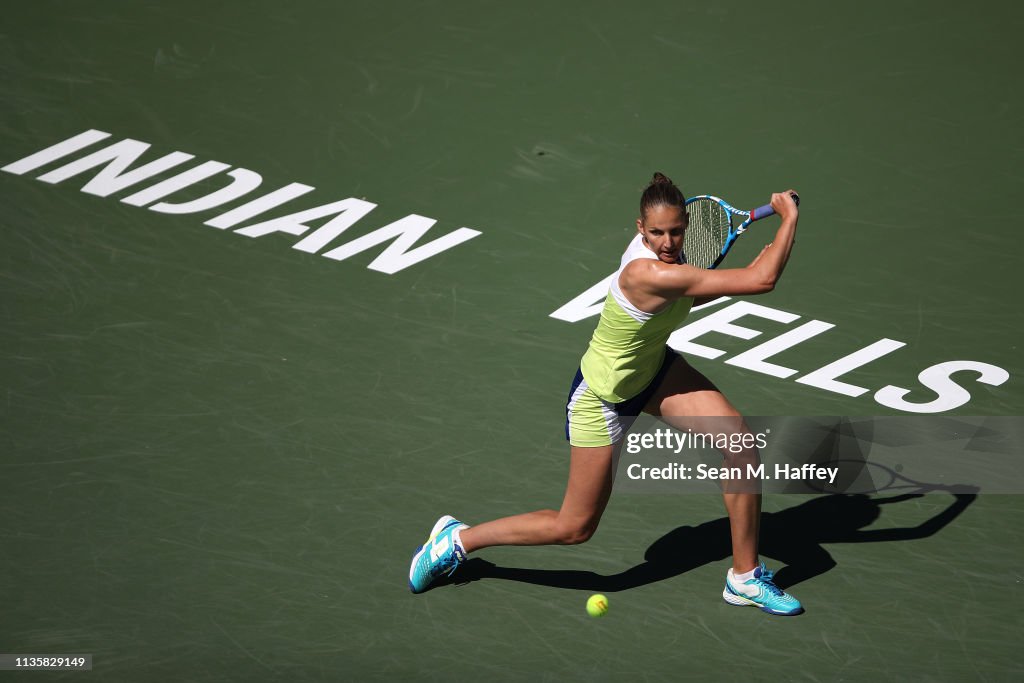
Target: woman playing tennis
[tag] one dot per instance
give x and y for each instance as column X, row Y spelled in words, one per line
column 626, row 369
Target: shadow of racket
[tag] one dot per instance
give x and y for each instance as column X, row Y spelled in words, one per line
column 857, row 476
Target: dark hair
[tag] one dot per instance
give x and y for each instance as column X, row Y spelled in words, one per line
column 661, row 192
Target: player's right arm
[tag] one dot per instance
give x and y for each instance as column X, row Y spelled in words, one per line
column 649, row 283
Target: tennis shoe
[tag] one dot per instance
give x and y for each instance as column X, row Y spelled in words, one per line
column 762, row 592
column 439, row 556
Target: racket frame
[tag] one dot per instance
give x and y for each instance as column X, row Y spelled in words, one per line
column 735, row 230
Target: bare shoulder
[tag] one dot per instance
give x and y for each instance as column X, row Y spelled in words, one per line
column 639, row 272
column 638, row 266
column 651, row 271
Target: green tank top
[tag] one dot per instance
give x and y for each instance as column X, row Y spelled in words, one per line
column 628, row 345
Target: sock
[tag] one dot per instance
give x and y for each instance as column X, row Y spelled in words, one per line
column 745, row 576
column 457, row 537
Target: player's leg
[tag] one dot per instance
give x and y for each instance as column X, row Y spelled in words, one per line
column 586, row 495
column 594, row 430
column 683, row 399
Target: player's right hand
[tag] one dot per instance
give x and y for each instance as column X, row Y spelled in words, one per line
column 784, row 206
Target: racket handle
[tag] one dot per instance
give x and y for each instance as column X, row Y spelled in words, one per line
column 767, row 210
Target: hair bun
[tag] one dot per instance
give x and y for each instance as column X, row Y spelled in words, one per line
column 661, row 192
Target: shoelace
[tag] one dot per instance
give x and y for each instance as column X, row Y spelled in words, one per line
column 449, row 563
column 766, row 578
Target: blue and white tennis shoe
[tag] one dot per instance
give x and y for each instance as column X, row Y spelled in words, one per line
column 762, row 592
column 441, row 555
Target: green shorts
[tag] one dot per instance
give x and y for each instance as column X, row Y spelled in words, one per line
column 591, row 421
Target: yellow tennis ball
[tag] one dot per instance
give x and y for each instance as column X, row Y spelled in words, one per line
column 597, row 605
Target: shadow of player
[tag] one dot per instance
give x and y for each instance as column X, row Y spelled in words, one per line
column 793, row 536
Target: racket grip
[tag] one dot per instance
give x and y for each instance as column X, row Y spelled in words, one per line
column 767, row 210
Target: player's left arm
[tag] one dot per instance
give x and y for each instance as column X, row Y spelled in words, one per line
column 701, row 300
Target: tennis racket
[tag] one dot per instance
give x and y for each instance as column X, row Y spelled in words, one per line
column 711, row 233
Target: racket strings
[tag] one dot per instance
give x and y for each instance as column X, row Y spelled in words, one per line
column 707, row 233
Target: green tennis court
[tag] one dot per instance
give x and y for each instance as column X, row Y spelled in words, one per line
column 323, row 272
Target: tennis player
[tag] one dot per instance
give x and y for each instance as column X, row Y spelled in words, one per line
column 628, row 369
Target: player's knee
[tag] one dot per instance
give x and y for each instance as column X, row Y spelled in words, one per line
column 741, row 458
column 574, row 533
